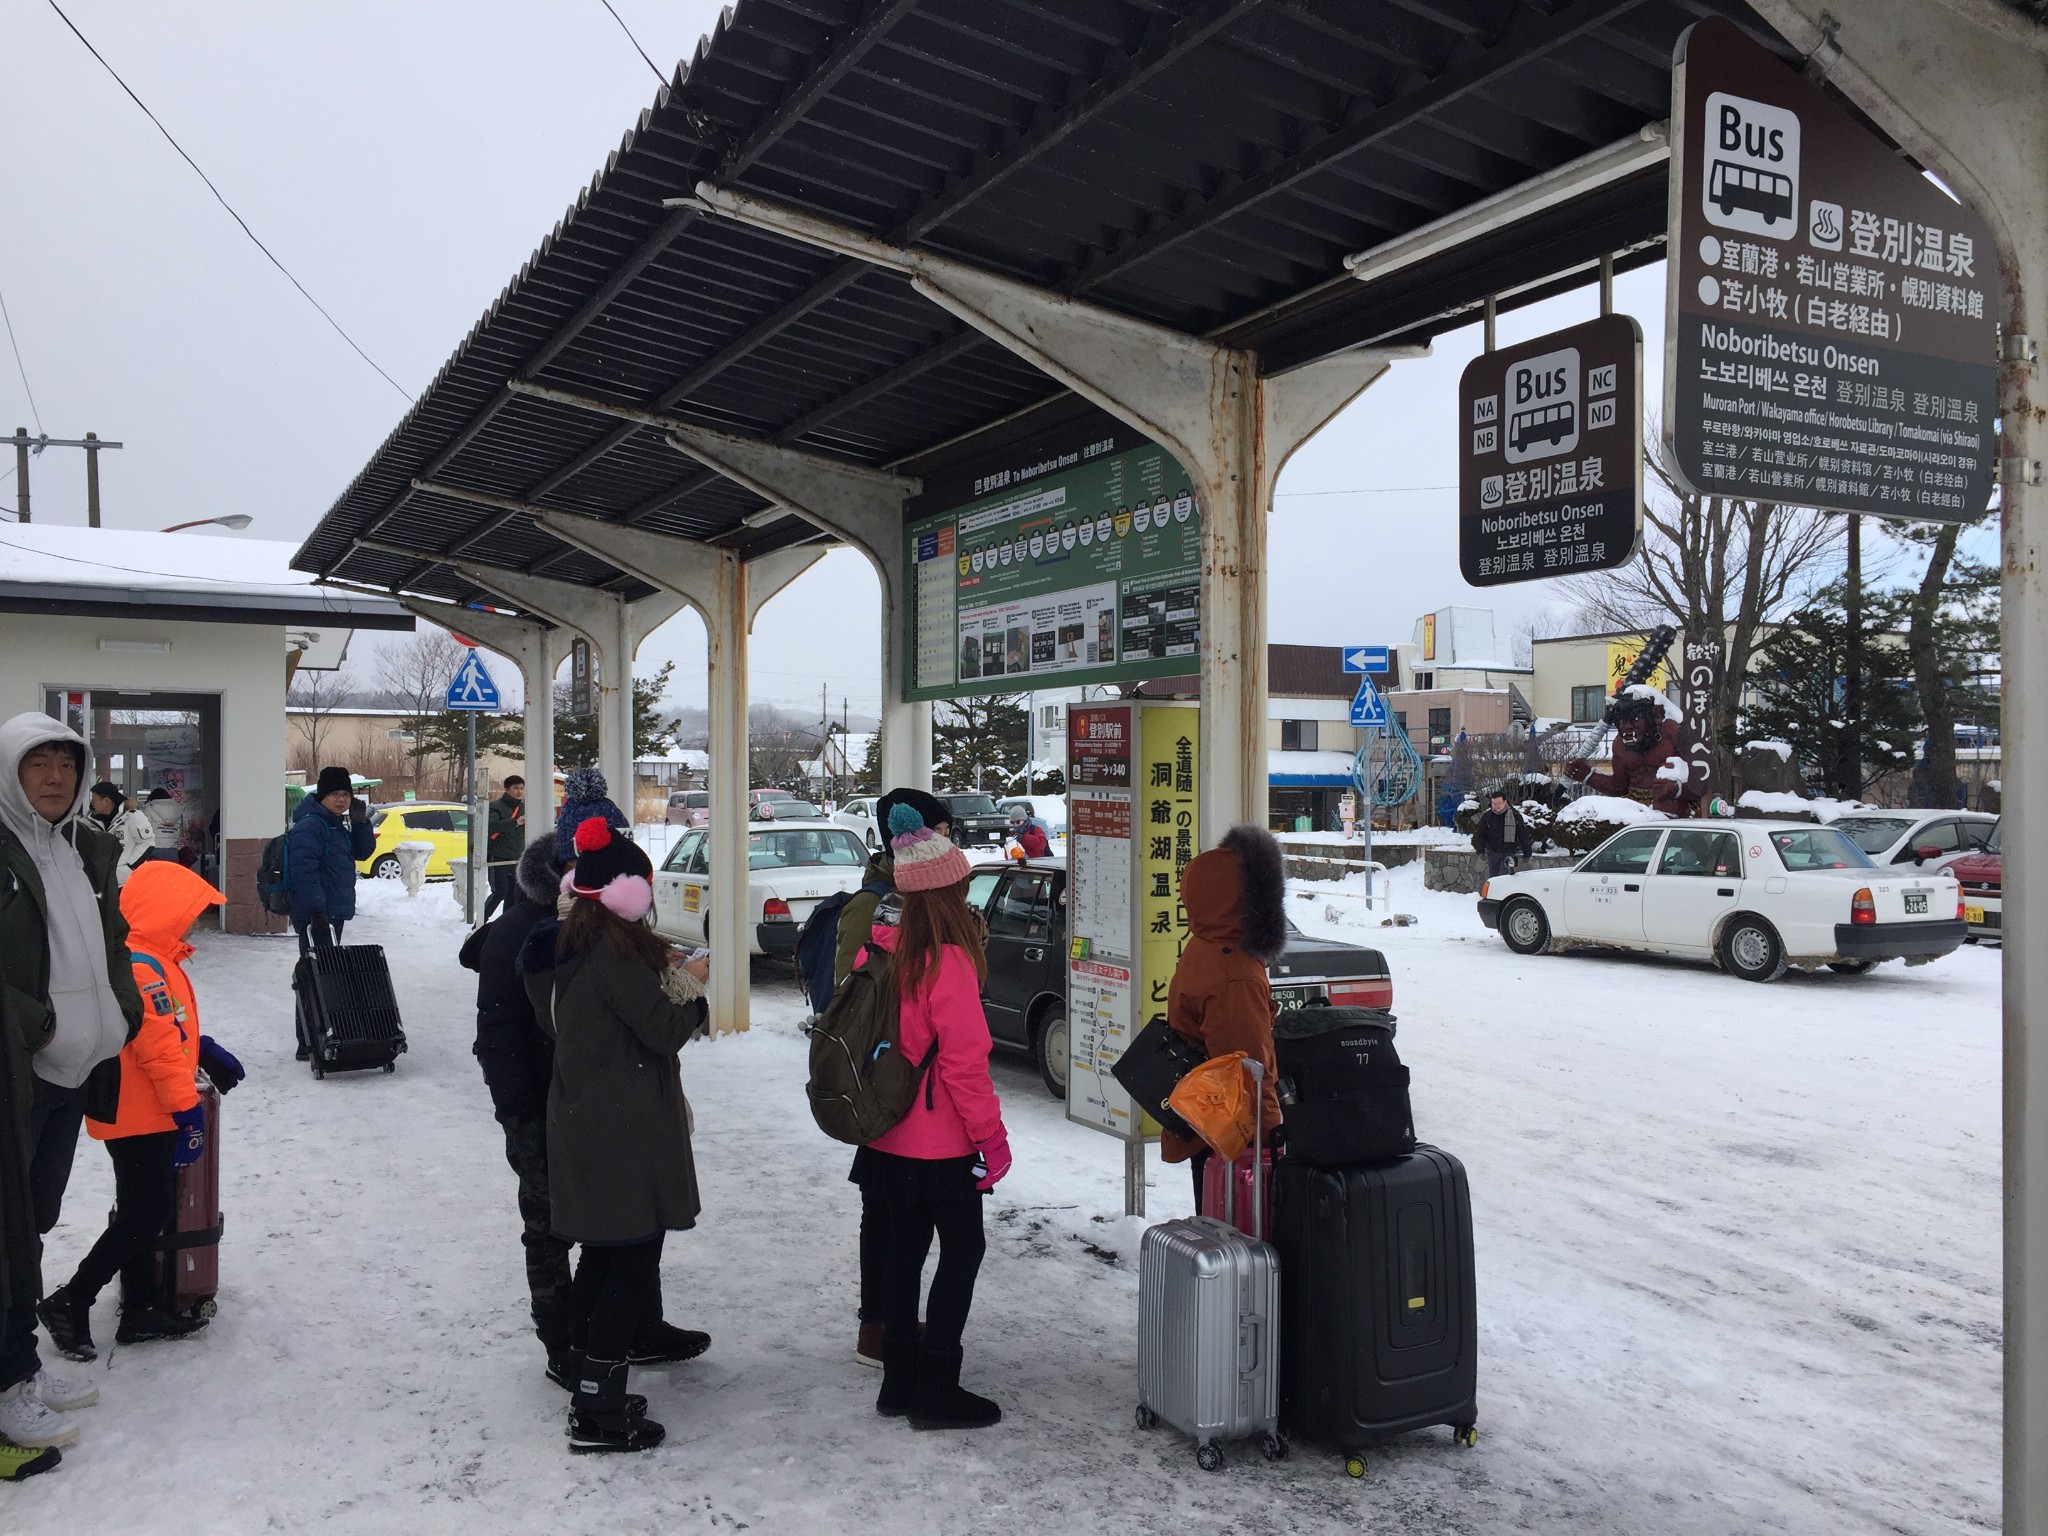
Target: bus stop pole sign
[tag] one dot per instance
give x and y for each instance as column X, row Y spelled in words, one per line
column 1550, row 455
column 1831, row 316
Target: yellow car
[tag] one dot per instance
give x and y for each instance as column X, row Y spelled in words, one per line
column 444, row 823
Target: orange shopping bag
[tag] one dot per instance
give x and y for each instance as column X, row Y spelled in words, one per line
column 1218, row 1101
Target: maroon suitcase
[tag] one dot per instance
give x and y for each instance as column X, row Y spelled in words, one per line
column 189, row 1265
column 1214, row 1170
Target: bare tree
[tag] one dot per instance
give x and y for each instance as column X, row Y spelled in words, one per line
column 1543, row 624
column 1712, row 565
column 415, row 673
column 314, row 696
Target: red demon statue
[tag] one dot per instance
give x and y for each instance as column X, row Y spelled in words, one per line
column 1652, row 755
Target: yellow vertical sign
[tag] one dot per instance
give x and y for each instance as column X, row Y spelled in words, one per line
column 1622, row 654
column 1168, row 834
column 1429, row 637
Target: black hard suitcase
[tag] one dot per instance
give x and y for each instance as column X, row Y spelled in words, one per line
column 1380, row 1334
column 347, row 1013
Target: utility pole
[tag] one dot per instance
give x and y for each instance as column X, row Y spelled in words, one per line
column 25, row 445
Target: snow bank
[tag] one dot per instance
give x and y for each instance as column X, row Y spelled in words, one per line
column 1615, row 808
column 1782, row 748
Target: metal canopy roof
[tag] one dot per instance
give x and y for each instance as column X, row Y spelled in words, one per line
column 1207, row 166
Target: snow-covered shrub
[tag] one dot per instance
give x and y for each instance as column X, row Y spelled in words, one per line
column 1590, row 820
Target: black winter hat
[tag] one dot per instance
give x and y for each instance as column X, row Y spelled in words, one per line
column 603, row 856
column 332, row 779
column 929, row 807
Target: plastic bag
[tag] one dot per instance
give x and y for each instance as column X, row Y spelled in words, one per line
column 1218, row 1100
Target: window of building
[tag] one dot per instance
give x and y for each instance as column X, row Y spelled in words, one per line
column 1439, row 729
column 1424, row 681
column 1588, row 704
column 1298, row 735
column 1401, row 721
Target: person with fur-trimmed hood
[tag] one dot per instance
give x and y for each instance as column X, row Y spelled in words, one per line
column 518, row 1061
column 1220, row 999
column 620, row 1004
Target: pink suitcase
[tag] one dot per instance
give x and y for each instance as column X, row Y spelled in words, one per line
column 1213, row 1170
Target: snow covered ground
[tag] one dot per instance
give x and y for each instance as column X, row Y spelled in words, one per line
column 1737, row 1255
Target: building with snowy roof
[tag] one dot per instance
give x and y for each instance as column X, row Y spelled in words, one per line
column 170, row 653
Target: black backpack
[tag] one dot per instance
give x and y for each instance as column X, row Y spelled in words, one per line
column 1344, row 1089
column 861, row 1083
column 272, row 873
column 817, row 946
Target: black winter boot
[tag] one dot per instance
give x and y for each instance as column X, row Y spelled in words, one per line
column 603, row 1416
column 662, row 1343
column 899, row 1378
column 67, row 1317
column 143, row 1325
column 562, row 1372
column 938, row 1401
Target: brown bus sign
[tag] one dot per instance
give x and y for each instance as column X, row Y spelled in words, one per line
column 1831, row 332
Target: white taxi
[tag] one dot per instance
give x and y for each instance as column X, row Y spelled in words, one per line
column 1756, row 896
column 791, row 867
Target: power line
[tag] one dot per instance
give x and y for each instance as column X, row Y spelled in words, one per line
column 160, row 128
column 607, row 4
column 20, row 364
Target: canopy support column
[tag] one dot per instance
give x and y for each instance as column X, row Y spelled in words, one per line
column 1963, row 86
column 538, row 648
column 728, row 594
column 864, row 508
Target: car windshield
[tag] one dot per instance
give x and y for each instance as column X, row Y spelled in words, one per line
column 1819, row 848
column 803, row 846
column 1992, row 846
column 696, row 800
column 797, row 810
column 1873, row 834
column 970, row 805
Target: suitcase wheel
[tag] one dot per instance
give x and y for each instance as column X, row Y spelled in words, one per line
column 1147, row 1419
column 1466, row 1435
column 1354, row 1465
column 390, row 1066
column 1208, row 1457
column 206, row 1309
column 1274, row 1448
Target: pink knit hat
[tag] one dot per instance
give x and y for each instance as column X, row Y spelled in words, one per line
column 925, row 861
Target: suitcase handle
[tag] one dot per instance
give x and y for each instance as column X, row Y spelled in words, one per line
column 1258, row 1072
column 1251, row 1346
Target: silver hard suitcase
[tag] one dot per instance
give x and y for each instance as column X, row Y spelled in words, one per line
column 1209, row 1326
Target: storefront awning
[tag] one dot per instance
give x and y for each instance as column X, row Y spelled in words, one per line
column 1308, row 770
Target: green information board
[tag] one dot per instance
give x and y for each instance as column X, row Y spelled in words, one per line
column 1073, row 558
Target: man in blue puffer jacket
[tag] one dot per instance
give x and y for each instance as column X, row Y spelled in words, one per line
column 584, row 795
column 320, row 859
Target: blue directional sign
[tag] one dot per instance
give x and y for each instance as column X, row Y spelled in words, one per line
column 471, row 687
column 1366, row 658
column 1368, row 710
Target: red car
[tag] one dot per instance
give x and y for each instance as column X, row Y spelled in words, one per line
column 1979, row 875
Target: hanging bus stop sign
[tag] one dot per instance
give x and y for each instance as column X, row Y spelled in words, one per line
column 1550, row 455
column 1831, row 325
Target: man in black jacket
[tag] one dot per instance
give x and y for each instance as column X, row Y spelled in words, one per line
column 518, row 1061
column 1501, row 835
column 506, row 840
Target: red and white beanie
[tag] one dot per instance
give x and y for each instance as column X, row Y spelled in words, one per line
column 611, row 870
column 924, row 861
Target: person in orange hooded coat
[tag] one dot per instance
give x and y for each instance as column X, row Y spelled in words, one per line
column 158, row 1126
column 1220, row 999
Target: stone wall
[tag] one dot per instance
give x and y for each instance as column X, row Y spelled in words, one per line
column 1335, row 859
column 1462, row 870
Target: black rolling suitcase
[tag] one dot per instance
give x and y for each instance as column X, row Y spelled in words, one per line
column 347, row 1012
column 1380, row 1336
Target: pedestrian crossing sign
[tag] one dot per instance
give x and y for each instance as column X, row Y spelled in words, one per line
column 471, row 687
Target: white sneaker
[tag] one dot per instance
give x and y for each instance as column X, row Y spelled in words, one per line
column 62, row 1393
column 26, row 1420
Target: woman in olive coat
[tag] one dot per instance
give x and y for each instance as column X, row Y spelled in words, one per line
column 620, row 1004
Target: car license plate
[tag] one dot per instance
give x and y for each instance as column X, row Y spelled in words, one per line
column 1294, row 997
column 1974, row 916
column 1916, row 903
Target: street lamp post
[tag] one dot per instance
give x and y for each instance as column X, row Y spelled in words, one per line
column 234, row 520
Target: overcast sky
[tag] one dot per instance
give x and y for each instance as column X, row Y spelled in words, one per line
column 403, row 159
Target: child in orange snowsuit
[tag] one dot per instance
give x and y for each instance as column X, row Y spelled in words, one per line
column 158, row 1126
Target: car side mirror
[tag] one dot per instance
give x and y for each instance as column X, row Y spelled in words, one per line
column 1922, row 855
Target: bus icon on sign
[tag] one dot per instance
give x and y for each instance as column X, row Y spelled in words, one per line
column 1543, row 406
column 1752, row 167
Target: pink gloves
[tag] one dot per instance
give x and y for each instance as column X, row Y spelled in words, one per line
column 995, row 1156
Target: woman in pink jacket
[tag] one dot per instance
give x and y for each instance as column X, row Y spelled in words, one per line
column 932, row 1168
